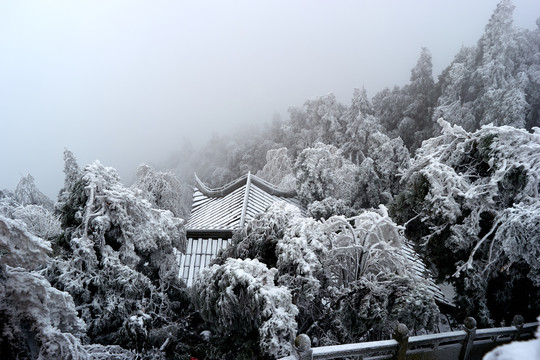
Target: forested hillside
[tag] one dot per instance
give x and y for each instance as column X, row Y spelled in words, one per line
column 495, row 82
column 449, row 165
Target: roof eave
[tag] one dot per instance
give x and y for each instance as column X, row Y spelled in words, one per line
column 209, row 233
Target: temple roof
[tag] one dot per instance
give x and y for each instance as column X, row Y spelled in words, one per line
column 226, row 209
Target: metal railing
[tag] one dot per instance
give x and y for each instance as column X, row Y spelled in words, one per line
column 467, row 344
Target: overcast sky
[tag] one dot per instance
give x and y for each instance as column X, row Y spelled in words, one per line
column 127, row 82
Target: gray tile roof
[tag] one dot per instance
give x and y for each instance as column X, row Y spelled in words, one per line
column 229, row 207
column 422, row 271
column 199, row 253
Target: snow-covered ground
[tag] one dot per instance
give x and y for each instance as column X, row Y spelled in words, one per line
column 518, row 350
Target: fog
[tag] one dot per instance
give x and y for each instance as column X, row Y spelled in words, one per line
column 128, row 82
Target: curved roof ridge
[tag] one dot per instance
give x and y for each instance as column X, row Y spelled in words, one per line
column 241, row 181
column 271, row 188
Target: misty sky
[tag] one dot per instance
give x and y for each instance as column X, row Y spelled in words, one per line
column 129, row 81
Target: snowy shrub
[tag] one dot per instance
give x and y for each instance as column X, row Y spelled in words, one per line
column 472, row 201
column 283, row 239
column 7, row 203
column 361, row 307
column 39, row 221
column 31, row 207
column 370, row 282
column 370, row 307
column 299, row 265
column 372, row 244
column 410, row 303
column 259, row 238
column 109, row 352
column 239, row 298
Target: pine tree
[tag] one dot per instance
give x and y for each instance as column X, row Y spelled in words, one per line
column 27, row 193
column 417, row 124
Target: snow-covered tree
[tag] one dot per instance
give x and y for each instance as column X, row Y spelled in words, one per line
column 389, row 106
column 32, row 208
column 320, row 120
column 360, row 123
column 324, row 117
column 27, row 193
column 120, row 267
column 322, row 172
column 529, row 45
column 472, row 202
column 7, row 203
column 278, row 169
column 371, row 245
column 406, row 112
column 240, row 301
column 371, row 285
column 37, row 319
column 457, row 93
column 284, row 240
column 378, row 175
column 417, row 125
column 486, row 84
column 164, row 190
column 72, row 175
column 502, row 97
column 379, row 158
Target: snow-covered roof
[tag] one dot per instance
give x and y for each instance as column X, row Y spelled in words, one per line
column 226, row 209
column 217, row 213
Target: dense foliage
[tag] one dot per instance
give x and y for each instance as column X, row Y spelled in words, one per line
column 94, row 275
column 38, row 320
column 241, row 303
column 120, row 267
column 348, row 278
column 472, row 203
column 347, row 158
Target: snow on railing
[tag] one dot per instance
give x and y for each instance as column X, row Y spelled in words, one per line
column 465, row 344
